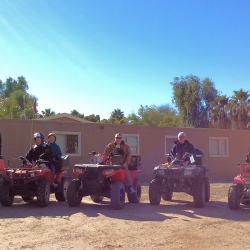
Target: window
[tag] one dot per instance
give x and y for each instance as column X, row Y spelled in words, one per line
column 218, row 146
column 169, row 142
column 69, row 142
column 133, row 142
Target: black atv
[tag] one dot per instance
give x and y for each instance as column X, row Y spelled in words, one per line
column 186, row 175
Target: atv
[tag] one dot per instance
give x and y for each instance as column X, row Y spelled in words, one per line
column 101, row 179
column 186, row 175
column 239, row 192
column 30, row 180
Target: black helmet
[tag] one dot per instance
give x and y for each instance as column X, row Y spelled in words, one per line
column 39, row 135
column 52, row 134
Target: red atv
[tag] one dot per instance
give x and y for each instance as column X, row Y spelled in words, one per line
column 101, row 179
column 239, row 192
column 30, row 180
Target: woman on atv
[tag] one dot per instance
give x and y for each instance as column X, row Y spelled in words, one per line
column 56, row 151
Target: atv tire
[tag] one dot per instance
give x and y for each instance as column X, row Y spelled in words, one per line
column 97, row 198
column 135, row 197
column 27, row 198
column 62, row 194
column 73, row 198
column 167, row 195
column 207, row 189
column 117, row 195
column 43, row 193
column 199, row 194
column 234, row 195
column 6, row 198
column 154, row 192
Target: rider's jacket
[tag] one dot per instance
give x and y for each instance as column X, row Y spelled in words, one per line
column 181, row 149
column 124, row 152
column 39, row 152
column 56, row 151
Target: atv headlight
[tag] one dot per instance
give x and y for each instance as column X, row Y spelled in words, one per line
column 32, row 174
column 188, row 172
column 10, row 174
column 247, row 182
column 159, row 170
column 79, row 170
column 108, row 171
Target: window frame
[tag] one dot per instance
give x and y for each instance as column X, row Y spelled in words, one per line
column 165, row 142
column 226, row 144
column 71, row 133
column 138, row 141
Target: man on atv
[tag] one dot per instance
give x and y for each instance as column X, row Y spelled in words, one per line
column 181, row 146
column 119, row 147
column 40, row 150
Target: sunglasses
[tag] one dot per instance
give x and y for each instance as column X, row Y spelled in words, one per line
column 118, row 138
column 181, row 136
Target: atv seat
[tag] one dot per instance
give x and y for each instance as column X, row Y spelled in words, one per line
column 62, row 164
column 135, row 162
column 198, row 155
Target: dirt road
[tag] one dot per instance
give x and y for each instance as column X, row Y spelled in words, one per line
column 171, row 225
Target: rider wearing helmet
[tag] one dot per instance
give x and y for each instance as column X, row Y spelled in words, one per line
column 56, row 151
column 54, row 147
column 40, row 150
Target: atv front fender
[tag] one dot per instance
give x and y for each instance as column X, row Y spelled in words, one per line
column 237, row 180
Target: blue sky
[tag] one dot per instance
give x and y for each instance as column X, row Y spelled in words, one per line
column 97, row 56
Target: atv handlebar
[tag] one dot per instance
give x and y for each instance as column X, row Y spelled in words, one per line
column 26, row 161
column 40, row 161
column 114, row 155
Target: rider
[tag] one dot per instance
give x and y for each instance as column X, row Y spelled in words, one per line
column 118, row 146
column 56, row 151
column 40, row 150
column 181, row 146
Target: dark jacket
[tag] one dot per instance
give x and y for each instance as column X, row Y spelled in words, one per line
column 124, row 151
column 36, row 151
column 56, row 151
column 181, row 149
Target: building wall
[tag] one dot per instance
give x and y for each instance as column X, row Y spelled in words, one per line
column 17, row 138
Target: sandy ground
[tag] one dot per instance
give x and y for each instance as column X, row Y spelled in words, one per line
column 171, row 225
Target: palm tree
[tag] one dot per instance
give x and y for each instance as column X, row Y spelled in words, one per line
column 117, row 114
column 47, row 112
column 219, row 116
column 239, row 109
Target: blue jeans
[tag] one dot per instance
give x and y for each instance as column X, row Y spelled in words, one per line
column 53, row 170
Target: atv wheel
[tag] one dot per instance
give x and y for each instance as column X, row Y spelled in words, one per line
column 154, row 192
column 117, row 195
column 62, row 194
column 43, row 193
column 136, row 197
column 97, row 198
column 167, row 195
column 234, row 195
column 6, row 197
column 199, row 194
column 27, row 198
column 207, row 189
column 72, row 193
